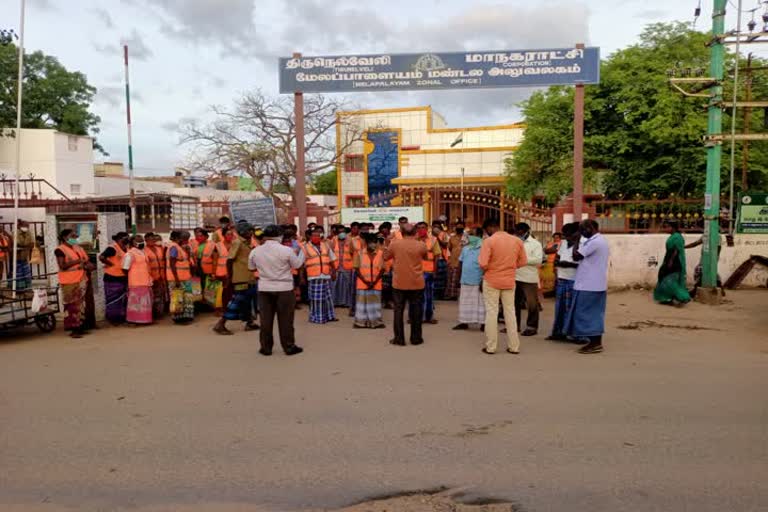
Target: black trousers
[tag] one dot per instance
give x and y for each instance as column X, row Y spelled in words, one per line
column 283, row 305
column 415, row 300
column 527, row 296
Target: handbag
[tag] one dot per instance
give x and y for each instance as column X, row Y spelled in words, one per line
column 36, row 257
column 176, row 304
column 197, row 289
column 212, row 292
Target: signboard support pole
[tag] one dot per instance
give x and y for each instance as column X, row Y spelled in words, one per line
column 578, row 149
column 300, row 190
column 462, row 194
column 714, row 150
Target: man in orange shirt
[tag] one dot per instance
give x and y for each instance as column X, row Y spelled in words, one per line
column 500, row 256
column 408, row 255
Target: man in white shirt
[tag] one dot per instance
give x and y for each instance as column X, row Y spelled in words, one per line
column 566, row 274
column 527, row 281
column 274, row 261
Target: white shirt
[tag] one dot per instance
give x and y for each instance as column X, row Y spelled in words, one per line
column 592, row 274
column 274, row 261
column 535, row 254
column 566, row 255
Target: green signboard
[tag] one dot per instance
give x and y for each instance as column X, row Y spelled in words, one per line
column 753, row 213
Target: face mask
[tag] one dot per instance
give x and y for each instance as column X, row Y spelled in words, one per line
column 72, row 241
column 23, row 230
column 459, row 231
column 342, row 236
column 140, row 245
column 423, row 232
column 372, row 247
column 316, row 239
column 200, row 239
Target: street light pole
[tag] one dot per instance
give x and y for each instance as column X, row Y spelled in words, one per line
column 132, row 192
column 17, row 158
column 714, row 151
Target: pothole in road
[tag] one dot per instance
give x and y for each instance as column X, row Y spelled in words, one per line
column 643, row 324
column 441, row 499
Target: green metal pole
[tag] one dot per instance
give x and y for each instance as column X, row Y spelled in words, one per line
column 714, row 126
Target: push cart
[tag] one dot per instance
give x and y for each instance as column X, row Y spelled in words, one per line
column 16, row 311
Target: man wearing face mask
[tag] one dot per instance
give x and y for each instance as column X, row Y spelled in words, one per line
column 527, row 285
column 320, row 269
column 136, row 265
column 25, row 243
column 455, row 243
column 342, row 286
column 586, row 318
column 434, row 252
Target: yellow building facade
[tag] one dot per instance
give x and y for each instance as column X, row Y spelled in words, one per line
column 389, row 150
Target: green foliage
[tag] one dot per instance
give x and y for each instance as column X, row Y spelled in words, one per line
column 641, row 135
column 325, row 184
column 53, row 96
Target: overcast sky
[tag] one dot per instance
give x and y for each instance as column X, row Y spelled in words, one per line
column 189, row 54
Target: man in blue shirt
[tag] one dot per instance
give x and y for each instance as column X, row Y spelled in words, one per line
column 586, row 318
column 471, row 302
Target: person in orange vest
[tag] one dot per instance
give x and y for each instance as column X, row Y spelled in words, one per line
column 434, row 252
column 72, row 262
column 115, row 280
column 342, row 286
column 369, row 265
column 224, row 225
column 353, row 246
column 136, row 265
column 156, row 261
column 319, row 265
column 178, row 274
column 204, row 256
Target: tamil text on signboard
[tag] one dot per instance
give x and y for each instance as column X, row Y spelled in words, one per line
column 379, row 215
column 258, row 212
column 753, row 213
column 459, row 70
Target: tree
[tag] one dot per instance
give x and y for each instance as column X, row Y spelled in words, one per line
column 53, row 96
column 641, row 135
column 257, row 137
column 325, row 184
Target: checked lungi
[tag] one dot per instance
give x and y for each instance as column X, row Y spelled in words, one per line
column 342, row 288
column 471, row 305
column 453, row 286
column 241, row 305
column 320, row 301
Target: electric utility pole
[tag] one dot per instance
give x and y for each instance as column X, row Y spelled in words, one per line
column 714, row 150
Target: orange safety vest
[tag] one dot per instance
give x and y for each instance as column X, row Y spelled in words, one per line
column 221, row 263
column 116, row 268
column 182, row 264
column 344, row 256
column 206, row 262
column 369, row 269
column 428, row 264
column 153, row 261
column 74, row 274
column 316, row 262
column 139, row 273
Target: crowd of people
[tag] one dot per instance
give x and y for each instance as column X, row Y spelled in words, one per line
column 253, row 276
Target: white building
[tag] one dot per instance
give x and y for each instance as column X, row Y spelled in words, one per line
column 65, row 161
column 385, row 149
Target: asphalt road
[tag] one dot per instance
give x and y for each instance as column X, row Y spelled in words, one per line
column 672, row 417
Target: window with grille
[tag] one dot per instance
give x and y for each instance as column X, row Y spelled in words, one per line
column 74, row 189
column 355, row 201
column 353, row 163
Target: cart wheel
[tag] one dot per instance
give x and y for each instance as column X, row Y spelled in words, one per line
column 46, row 323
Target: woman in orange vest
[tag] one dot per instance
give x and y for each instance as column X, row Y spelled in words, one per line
column 369, row 267
column 136, row 265
column 115, row 280
column 156, row 261
column 72, row 262
column 179, row 276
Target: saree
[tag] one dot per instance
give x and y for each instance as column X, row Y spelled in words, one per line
column 139, row 309
column 115, row 297
column 672, row 274
column 73, row 298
